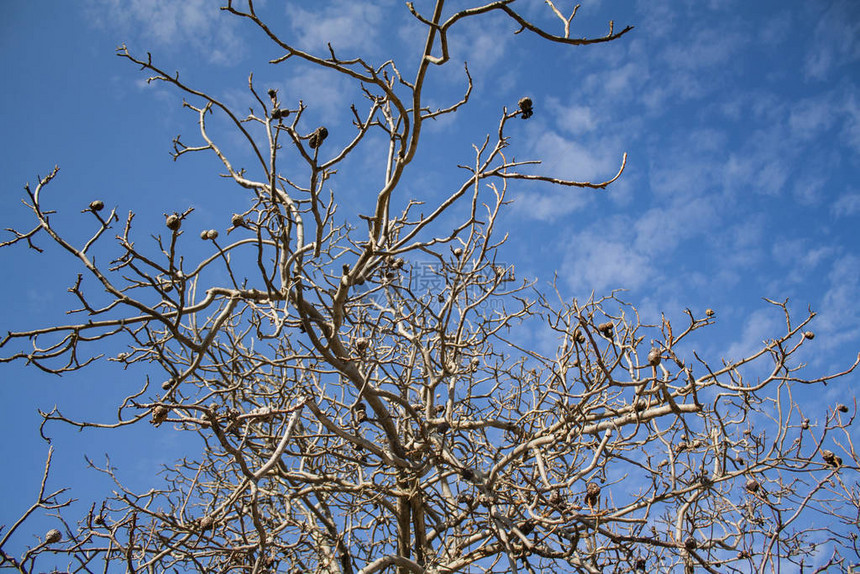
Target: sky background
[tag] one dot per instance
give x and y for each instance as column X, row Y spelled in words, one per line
column 741, row 121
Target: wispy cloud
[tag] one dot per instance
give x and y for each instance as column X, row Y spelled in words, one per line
column 836, row 39
column 349, row 26
column 846, row 205
column 195, row 24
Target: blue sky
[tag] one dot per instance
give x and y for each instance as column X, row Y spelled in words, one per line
column 741, row 121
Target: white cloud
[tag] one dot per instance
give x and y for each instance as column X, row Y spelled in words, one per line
column 809, row 118
column 198, row 24
column 570, row 159
column 840, row 314
column 758, row 327
column 600, row 262
column 846, row 205
column 836, row 39
column 706, row 49
column 573, row 119
column 348, row 26
column 327, row 94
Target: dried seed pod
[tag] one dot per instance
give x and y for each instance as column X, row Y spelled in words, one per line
column 526, row 107
column 272, row 93
column 606, row 328
column 526, row 527
column 831, row 458
column 166, row 385
column 808, row 335
column 752, row 485
column 468, row 474
column 173, row 222
column 457, row 251
column 805, row 424
column 466, row 498
column 579, row 336
column 398, row 263
column 690, row 543
column 316, row 139
column 654, row 357
column 237, row 220
column 709, row 312
column 53, row 536
column 640, row 564
column 206, row 522
column 841, row 408
column 97, row 205
column 681, row 446
column 556, row 498
column 362, row 343
column 204, row 235
column 212, row 234
column 592, row 495
column 159, row 413
column 443, row 427
column 279, row 114
column 360, row 412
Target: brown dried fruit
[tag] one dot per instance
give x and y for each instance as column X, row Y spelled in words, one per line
column 654, row 357
column 360, row 412
column 466, row 498
column 808, row 335
column 159, row 413
column 709, row 312
column 606, row 328
column 173, row 222
column 841, row 408
column 53, row 536
column 526, row 107
column 592, row 495
column 237, row 220
column 97, row 205
column 831, row 458
column 457, row 251
column 316, row 139
column 752, row 485
column 690, row 543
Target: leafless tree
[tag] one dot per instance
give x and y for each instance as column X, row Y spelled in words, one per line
column 362, row 395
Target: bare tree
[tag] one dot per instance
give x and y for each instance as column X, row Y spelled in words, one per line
column 364, row 399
